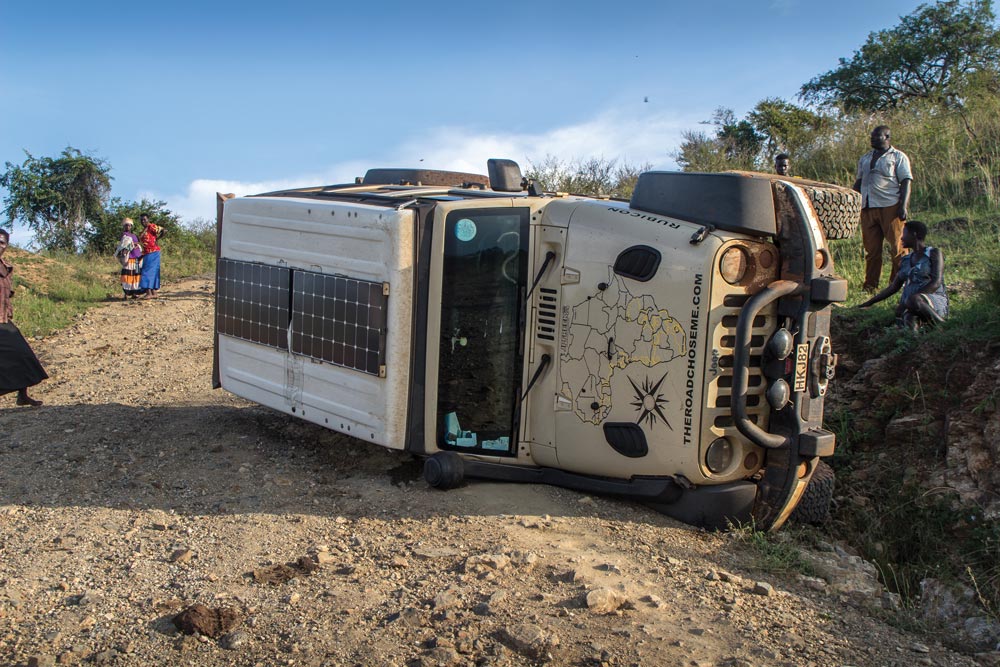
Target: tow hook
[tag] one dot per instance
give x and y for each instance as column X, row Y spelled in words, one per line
column 824, row 367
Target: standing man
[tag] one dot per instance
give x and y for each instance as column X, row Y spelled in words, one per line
column 19, row 367
column 884, row 179
column 782, row 164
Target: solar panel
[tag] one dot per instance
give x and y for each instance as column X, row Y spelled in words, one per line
column 252, row 302
column 336, row 319
column 339, row 320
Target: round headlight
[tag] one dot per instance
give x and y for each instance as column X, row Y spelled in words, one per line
column 733, row 265
column 778, row 394
column 820, row 259
column 780, row 344
column 719, row 455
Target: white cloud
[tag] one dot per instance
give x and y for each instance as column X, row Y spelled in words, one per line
column 636, row 137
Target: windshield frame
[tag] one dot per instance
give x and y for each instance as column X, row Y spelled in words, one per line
column 503, row 316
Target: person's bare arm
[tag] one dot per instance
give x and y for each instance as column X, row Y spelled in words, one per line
column 857, row 185
column 889, row 290
column 903, row 210
column 937, row 272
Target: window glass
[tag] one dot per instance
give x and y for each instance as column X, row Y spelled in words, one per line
column 482, row 310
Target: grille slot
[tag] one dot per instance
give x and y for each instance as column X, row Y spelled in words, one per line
column 730, row 321
column 730, row 341
column 726, row 381
column 726, row 421
column 735, row 300
column 727, row 361
column 726, row 400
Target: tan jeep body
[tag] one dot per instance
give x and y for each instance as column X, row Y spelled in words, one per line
column 544, row 337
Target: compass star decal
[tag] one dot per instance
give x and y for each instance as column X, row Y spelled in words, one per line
column 649, row 402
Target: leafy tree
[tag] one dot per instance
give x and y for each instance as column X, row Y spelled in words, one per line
column 785, row 127
column 103, row 234
column 57, row 197
column 739, row 140
column 736, row 144
column 942, row 52
column 594, row 176
column 700, row 151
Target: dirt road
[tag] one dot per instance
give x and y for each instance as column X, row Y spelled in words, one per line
column 137, row 491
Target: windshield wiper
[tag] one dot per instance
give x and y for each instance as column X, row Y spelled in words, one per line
column 549, row 256
column 542, row 365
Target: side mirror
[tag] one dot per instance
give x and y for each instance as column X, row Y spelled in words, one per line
column 505, row 175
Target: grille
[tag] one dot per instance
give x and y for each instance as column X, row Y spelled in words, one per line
column 718, row 419
column 720, row 398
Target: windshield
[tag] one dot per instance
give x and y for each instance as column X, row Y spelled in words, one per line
column 482, row 306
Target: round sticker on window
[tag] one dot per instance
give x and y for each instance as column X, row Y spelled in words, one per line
column 465, row 229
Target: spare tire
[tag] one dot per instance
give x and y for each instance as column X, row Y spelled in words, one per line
column 814, row 505
column 837, row 208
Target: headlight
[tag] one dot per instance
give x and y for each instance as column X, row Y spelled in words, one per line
column 780, row 345
column 778, row 394
column 733, row 265
column 719, row 455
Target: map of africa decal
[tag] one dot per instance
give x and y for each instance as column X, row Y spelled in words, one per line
column 608, row 333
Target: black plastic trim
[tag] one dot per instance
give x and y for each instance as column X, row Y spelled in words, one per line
column 626, row 438
column 731, row 202
column 423, row 226
column 828, row 289
column 659, row 489
column 817, row 442
column 220, row 207
column 714, row 507
column 640, row 262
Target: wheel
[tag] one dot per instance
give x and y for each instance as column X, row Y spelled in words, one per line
column 814, row 505
column 444, row 470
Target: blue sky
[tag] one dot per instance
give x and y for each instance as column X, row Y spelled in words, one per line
column 184, row 98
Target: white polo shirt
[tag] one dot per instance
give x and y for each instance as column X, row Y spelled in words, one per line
column 880, row 186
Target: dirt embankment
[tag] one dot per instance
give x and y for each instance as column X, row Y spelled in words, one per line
column 138, row 491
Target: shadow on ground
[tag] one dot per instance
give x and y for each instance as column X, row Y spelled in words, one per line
column 232, row 460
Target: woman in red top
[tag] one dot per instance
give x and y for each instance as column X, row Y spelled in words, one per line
column 149, row 277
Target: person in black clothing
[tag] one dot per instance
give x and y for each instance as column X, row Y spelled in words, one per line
column 19, row 367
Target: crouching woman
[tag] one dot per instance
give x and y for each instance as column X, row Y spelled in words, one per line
column 19, row 367
column 921, row 277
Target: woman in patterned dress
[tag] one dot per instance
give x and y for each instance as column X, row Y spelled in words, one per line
column 129, row 252
column 921, row 277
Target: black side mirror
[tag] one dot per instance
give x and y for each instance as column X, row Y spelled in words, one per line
column 505, row 175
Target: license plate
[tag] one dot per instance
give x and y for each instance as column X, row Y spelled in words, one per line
column 801, row 366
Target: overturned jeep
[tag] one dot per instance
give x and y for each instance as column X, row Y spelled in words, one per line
column 673, row 348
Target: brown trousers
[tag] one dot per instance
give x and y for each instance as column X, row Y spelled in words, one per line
column 877, row 226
